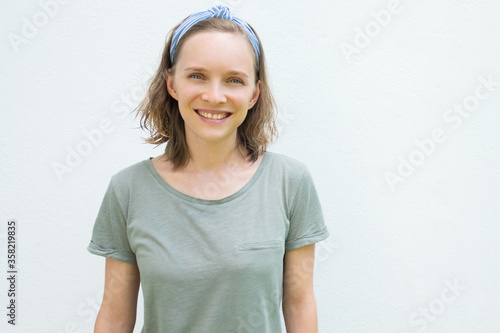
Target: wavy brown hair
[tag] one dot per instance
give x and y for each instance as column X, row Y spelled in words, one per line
column 159, row 112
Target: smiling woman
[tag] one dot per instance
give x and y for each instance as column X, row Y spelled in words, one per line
column 217, row 82
column 211, row 50
column 217, row 230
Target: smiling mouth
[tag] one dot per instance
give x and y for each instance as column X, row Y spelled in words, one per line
column 216, row 116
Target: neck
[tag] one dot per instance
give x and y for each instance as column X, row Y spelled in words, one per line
column 214, row 155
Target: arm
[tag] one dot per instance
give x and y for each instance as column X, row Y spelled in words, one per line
column 119, row 304
column 299, row 303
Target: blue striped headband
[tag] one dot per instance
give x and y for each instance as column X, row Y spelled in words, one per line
column 217, row 11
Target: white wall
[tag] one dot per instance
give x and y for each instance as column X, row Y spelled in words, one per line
column 419, row 255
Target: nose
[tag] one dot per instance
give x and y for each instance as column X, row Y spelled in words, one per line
column 214, row 94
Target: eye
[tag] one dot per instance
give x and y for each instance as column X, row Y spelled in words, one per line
column 235, row 80
column 195, row 76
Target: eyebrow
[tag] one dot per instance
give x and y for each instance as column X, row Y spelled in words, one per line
column 204, row 70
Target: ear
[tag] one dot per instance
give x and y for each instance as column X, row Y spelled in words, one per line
column 256, row 95
column 170, row 85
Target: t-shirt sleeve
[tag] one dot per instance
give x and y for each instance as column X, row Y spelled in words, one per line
column 307, row 225
column 109, row 235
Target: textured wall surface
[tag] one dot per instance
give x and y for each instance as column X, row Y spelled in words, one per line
column 393, row 105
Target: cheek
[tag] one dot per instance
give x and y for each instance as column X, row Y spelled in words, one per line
column 243, row 98
column 187, row 93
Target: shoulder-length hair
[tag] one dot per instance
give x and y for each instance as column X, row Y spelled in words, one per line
column 159, row 112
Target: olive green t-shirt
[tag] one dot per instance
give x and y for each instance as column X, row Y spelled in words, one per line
column 210, row 265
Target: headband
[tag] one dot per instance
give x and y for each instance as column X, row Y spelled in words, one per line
column 216, row 11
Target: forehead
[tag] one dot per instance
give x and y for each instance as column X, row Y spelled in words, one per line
column 217, row 49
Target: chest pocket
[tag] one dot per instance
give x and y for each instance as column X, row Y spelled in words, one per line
column 265, row 245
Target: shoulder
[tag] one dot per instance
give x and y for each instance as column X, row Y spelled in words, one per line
column 130, row 176
column 291, row 168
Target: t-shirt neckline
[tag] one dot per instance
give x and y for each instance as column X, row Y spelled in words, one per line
column 187, row 197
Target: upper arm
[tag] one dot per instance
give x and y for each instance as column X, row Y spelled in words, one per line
column 121, row 288
column 298, row 267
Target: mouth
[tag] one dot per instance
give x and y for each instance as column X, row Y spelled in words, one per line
column 212, row 114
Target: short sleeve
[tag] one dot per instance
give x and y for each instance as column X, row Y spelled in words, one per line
column 109, row 235
column 307, row 225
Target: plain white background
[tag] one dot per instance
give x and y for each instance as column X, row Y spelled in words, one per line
column 394, row 107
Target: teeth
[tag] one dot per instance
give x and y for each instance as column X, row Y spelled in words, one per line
column 213, row 116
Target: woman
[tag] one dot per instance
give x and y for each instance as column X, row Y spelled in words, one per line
column 217, row 231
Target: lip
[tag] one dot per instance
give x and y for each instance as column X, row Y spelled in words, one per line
column 213, row 111
column 213, row 121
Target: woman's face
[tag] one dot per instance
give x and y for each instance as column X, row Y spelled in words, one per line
column 214, row 77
